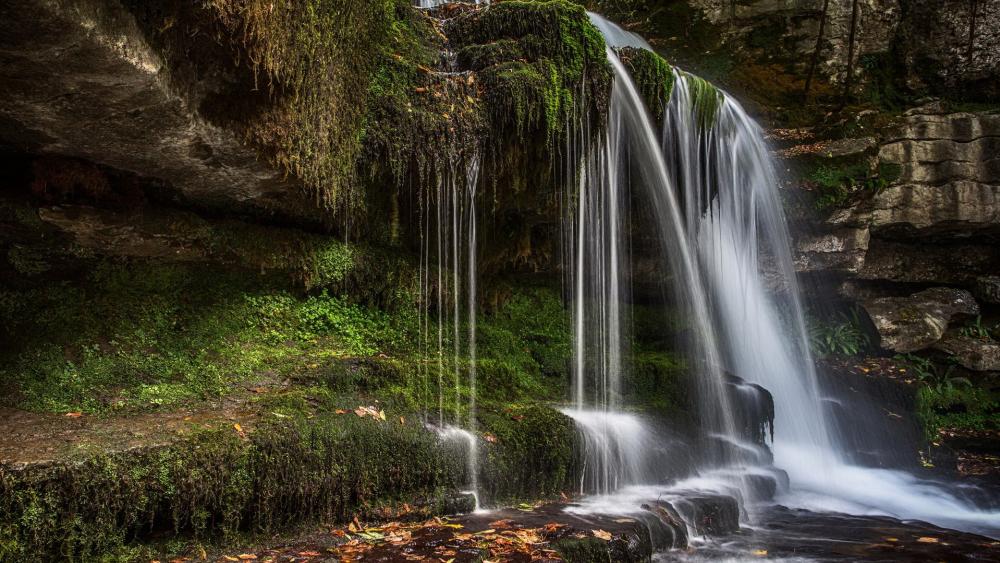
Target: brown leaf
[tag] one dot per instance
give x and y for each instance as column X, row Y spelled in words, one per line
column 601, row 534
column 309, row 554
column 928, row 539
column 76, row 414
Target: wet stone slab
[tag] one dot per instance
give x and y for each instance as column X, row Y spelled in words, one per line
column 547, row 532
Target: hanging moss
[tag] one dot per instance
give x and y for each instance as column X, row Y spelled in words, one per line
column 317, row 58
column 652, row 75
column 542, row 63
column 706, row 100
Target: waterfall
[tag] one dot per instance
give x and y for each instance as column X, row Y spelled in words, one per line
column 448, row 233
column 728, row 252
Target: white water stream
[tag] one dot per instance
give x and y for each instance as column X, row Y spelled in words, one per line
column 730, row 259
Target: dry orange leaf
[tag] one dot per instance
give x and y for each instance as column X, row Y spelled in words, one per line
column 760, row 552
column 601, row 534
column 928, row 539
column 74, row 414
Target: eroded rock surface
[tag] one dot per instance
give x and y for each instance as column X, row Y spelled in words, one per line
column 79, row 78
column 908, row 324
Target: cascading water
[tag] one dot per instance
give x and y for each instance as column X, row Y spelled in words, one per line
column 629, row 144
column 737, row 229
column 729, row 255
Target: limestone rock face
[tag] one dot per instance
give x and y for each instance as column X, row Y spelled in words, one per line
column 972, row 353
column 938, row 223
column 908, row 324
column 949, row 176
column 79, row 78
column 842, row 250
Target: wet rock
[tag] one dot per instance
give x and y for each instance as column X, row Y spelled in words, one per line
column 971, row 352
column 908, row 324
column 710, row 515
column 919, row 260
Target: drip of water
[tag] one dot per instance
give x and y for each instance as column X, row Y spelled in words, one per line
column 448, row 233
column 470, row 443
column 616, row 449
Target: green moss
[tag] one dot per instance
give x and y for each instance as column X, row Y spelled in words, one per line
column 216, row 483
column 531, row 455
column 135, row 334
column 653, row 76
column 318, row 59
column 556, row 70
column 956, row 404
column 706, row 100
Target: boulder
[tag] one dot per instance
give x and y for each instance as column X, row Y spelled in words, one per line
column 976, row 354
column 987, row 289
column 908, row 324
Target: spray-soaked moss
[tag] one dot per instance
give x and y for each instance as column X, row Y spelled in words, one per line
column 706, row 100
column 542, row 63
column 652, row 75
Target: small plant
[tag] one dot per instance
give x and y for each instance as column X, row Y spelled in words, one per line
column 843, row 336
column 836, row 186
column 977, row 330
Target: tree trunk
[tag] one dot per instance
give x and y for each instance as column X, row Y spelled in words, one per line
column 817, row 50
column 851, row 40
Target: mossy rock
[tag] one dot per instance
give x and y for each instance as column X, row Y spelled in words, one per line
column 653, row 76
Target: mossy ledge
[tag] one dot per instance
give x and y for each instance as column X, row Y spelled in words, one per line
column 653, row 76
column 221, row 483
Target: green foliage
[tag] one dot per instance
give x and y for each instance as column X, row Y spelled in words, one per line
column 976, row 329
column 136, row 335
column 839, row 184
column 955, row 403
column 841, row 335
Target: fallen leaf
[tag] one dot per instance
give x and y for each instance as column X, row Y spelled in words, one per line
column 601, row 534
column 309, row 554
column 228, row 558
column 891, row 539
column 760, row 552
column 340, row 411
column 927, row 539
column 247, row 557
column 381, row 414
column 238, row 428
column 402, row 420
column 74, row 414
